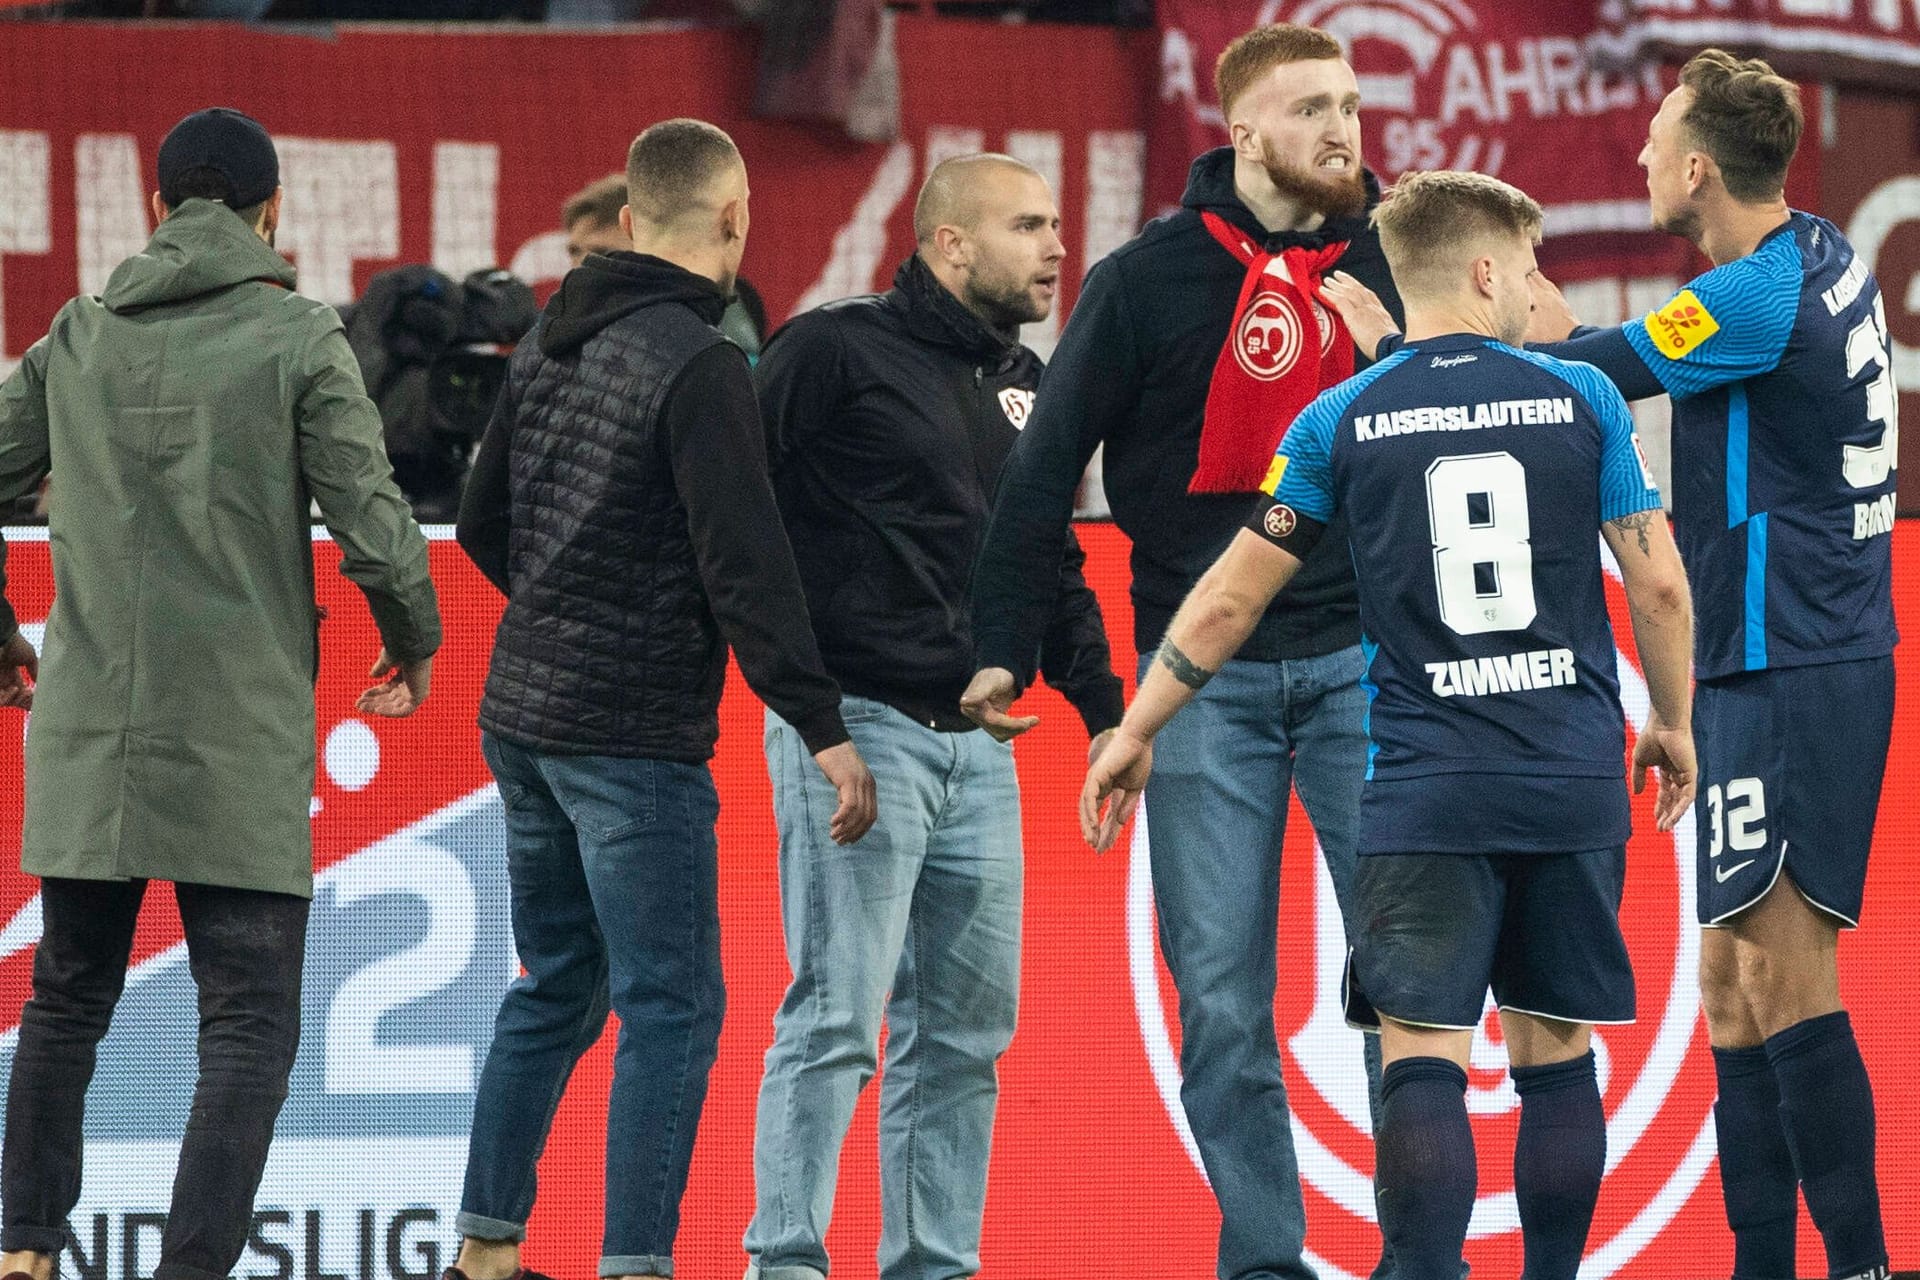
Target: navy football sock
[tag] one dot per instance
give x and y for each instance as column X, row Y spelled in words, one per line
column 1424, row 1169
column 1826, row 1108
column 1757, row 1179
column 1558, row 1161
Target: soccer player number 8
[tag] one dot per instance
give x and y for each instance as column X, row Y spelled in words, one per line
column 1482, row 561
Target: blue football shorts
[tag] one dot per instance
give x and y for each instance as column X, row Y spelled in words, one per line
column 1791, row 762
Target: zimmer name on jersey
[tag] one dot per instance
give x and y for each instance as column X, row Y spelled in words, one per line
column 1475, row 478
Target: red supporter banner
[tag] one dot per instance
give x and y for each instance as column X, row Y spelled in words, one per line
column 478, row 134
column 1503, row 89
column 409, row 952
column 458, row 146
column 1867, row 42
column 1545, row 97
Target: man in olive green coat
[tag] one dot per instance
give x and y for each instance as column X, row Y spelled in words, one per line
column 187, row 415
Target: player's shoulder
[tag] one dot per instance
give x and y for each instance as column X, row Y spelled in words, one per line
column 1333, row 403
column 1776, row 269
column 1587, row 380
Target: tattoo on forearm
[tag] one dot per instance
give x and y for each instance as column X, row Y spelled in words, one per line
column 1639, row 522
column 1185, row 669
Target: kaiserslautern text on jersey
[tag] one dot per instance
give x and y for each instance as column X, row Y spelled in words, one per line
column 1475, row 478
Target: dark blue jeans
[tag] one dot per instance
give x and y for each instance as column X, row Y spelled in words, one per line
column 615, row 905
column 245, row 949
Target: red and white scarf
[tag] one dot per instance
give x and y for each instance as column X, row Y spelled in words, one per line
column 1282, row 350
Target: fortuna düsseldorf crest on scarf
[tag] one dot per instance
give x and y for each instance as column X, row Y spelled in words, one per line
column 1260, row 380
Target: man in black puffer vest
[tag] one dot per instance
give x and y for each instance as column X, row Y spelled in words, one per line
column 891, row 415
column 621, row 501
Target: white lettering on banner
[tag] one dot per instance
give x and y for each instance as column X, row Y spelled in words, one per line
column 945, row 141
column 861, row 242
column 1548, row 76
column 342, row 206
column 1116, row 186
column 544, row 257
column 1835, row 10
column 1041, row 148
column 466, row 186
column 1454, row 76
column 26, row 211
column 110, row 202
column 1178, row 80
column 1462, row 417
column 310, row 1220
column 1504, row 673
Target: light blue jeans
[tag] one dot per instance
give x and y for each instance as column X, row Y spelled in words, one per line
column 1216, row 807
column 919, row 921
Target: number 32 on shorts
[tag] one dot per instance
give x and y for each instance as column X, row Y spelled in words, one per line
column 1738, row 814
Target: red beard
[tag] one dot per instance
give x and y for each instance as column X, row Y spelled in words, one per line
column 1329, row 195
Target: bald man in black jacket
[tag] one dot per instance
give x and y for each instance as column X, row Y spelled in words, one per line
column 891, row 415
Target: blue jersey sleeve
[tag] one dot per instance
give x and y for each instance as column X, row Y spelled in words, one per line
column 1626, row 485
column 1302, row 473
column 1727, row 325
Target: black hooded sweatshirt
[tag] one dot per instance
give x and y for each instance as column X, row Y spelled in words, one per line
column 620, row 499
column 890, row 416
column 1132, row 370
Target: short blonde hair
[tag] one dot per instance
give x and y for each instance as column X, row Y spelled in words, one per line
column 1259, row 51
column 672, row 165
column 1428, row 219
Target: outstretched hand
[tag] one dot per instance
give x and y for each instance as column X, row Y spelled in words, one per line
column 1668, row 752
column 403, row 686
column 988, row 700
column 1116, row 777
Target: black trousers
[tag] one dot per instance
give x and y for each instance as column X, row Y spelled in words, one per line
column 245, row 949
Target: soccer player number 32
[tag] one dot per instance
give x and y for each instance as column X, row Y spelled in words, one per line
column 1482, row 561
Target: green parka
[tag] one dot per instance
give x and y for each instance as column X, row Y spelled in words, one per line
column 187, row 416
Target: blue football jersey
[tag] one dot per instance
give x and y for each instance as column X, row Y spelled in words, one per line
column 1475, row 478
column 1785, row 440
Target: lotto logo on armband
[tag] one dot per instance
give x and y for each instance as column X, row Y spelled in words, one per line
column 1681, row 325
column 1276, row 471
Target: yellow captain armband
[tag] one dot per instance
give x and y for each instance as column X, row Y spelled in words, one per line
column 1275, row 470
column 1681, row 325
